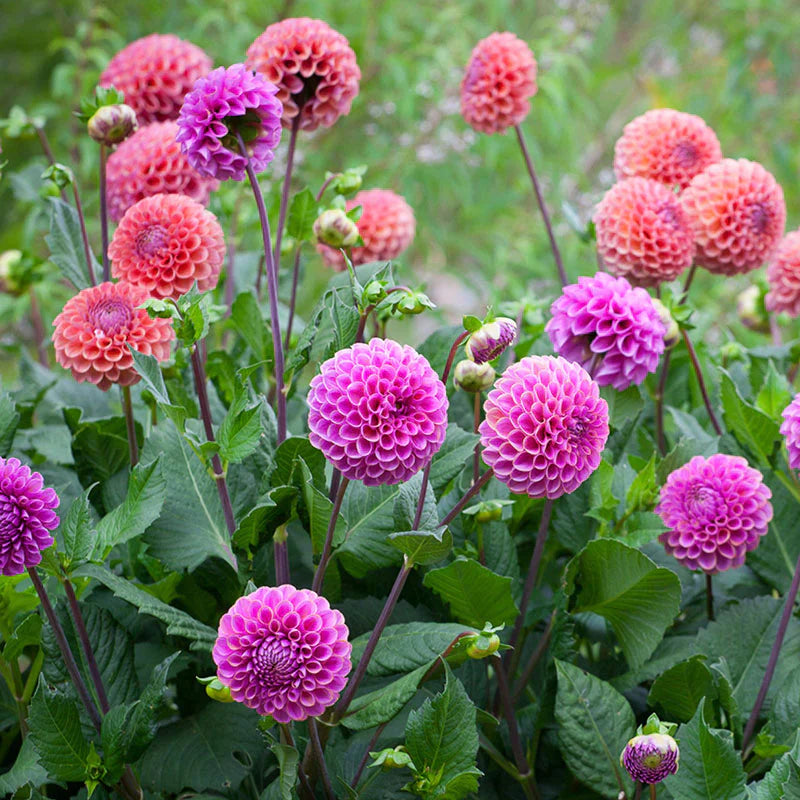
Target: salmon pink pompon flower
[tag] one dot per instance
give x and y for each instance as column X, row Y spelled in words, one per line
column 26, row 517
column 737, row 212
column 167, row 242
column 668, row 146
column 604, row 318
column 717, row 509
column 498, row 84
column 378, row 412
column 96, row 327
column 386, row 226
column 643, row 234
column 545, row 427
column 313, row 67
column 150, row 162
column 783, row 276
column 284, row 652
column 790, row 430
column 155, row 73
column 230, row 101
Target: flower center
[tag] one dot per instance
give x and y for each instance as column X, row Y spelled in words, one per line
column 669, row 214
column 701, row 500
column 653, row 760
column 759, row 217
column 150, row 240
column 309, row 89
column 577, row 430
column 275, row 662
column 685, row 154
column 111, row 315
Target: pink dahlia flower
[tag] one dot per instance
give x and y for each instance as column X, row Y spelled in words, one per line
column 313, row 67
column 545, row 428
column 155, row 73
column 96, row 327
column 378, row 412
column 643, row 234
column 386, row 226
column 167, row 242
column 284, row 652
column 150, row 162
column 651, row 757
column 790, row 430
column 604, row 318
column 668, row 146
column 499, row 81
column 737, row 212
column 227, row 102
column 783, row 276
column 716, row 509
column 26, row 517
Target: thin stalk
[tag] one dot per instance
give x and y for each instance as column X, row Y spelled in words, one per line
column 325, row 185
column 362, row 323
column 130, row 424
column 287, row 181
column 104, row 213
column 468, row 495
column 319, row 575
column 370, row 746
column 476, row 456
column 709, row 598
column 336, row 477
column 313, row 732
column 19, row 692
column 536, row 656
column 452, row 354
column 280, row 543
column 562, row 275
column 775, row 330
column 652, row 791
column 87, row 250
column 637, row 794
column 688, row 283
column 662, row 385
column 293, row 299
column 286, row 732
column 230, row 274
column 48, row 152
column 38, row 329
column 421, row 499
column 701, row 382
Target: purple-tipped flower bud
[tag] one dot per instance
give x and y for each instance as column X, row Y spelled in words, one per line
column 751, row 308
column 472, row 377
column 110, row 125
column 491, row 339
column 334, row 228
column 673, row 334
column 651, row 757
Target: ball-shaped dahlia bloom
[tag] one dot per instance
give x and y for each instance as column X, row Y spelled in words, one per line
column 386, row 226
column 97, row 326
column 790, row 430
column 491, row 340
column 165, row 243
column 649, row 758
column 668, row 146
column 150, row 162
column 155, row 73
column 378, row 412
column 605, row 319
column 284, row 652
column 783, row 276
column 545, row 427
column 313, row 67
column 230, row 102
column 643, row 233
column 26, row 517
column 498, row 83
column 717, row 509
column 737, row 213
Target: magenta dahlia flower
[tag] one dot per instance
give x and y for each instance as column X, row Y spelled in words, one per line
column 378, row 412
column 607, row 319
column 230, row 101
column 545, row 428
column 717, row 509
column 790, row 429
column 284, row 652
column 26, row 517
column 651, row 757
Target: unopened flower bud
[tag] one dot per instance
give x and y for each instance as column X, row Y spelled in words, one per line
column 491, row 339
column 673, row 333
column 392, row 758
column 9, row 263
column 334, row 228
column 110, row 125
column 472, row 377
column 732, row 351
column 752, row 312
column 411, row 302
column 374, row 292
column 483, row 645
column 651, row 757
column 219, row 692
column 349, row 182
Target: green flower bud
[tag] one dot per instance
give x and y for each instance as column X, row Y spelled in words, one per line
column 334, row 228
column 411, row 302
column 483, row 645
column 10, row 262
column 472, row 377
column 349, row 182
column 110, row 125
column 392, row 758
column 751, row 308
column 217, row 691
column 673, row 334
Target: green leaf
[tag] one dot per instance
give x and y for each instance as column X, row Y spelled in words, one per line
column 423, row 547
column 273, row 510
column 784, row 717
column 643, row 490
column 303, row 212
column 623, row 407
column 774, row 395
column 9, row 419
column 679, row 690
column 710, row 769
column 782, row 782
column 66, row 244
column 99, row 447
column 288, row 759
column 249, row 322
column 76, row 534
column 475, row 594
column 595, row 723
column 624, row 586
column 153, row 379
column 26, row 770
column 602, row 502
column 240, row 431
column 113, row 735
column 454, row 453
column 28, row 632
column 316, row 509
column 754, row 429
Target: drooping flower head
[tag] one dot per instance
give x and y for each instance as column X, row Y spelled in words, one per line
column 783, row 276
column 790, row 430
column 491, row 340
column 150, row 162
column 230, row 101
column 386, row 226
column 651, row 757
column 604, row 318
column 165, row 243
column 545, row 427
column 284, row 652
column 111, row 125
column 716, row 509
column 378, row 412
column 95, row 328
column 155, row 73
column 668, row 146
column 643, row 234
column 737, row 213
column 313, row 67
column 26, row 517
column 498, row 83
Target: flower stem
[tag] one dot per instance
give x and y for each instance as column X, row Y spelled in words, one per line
column 476, row 456
column 286, row 735
column 104, row 213
column 313, row 732
column 130, row 424
column 659, row 399
column 48, row 152
column 709, row 598
column 452, row 354
column 536, row 656
column 362, row 323
column 293, row 299
column 87, row 250
column 287, row 181
column 562, row 275
column 319, row 575
column 652, row 791
column 468, row 495
column 370, row 746
column 38, row 329
column 701, row 382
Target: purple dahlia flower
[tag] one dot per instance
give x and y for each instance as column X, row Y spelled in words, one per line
column 545, row 428
column 378, row 412
column 651, row 757
column 716, row 509
column 230, row 101
column 26, row 517
column 606, row 318
column 790, row 429
column 284, row 652
column 491, row 339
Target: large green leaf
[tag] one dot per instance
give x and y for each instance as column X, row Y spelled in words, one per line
column 453, row 455
column 679, row 690
column 9, row 419
column 26, row 770
column 303, row 211
column 753, row 428
column 287, row 758
column 99, row 447
column 248, row 320
column 240, row 431
column 782, row 782
column 76, row 534
column 784, row 716
column 153, row 379
column 66, row 244
column 423, row 547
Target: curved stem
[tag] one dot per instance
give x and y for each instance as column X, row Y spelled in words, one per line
column 362, row 323
column 287, row 181
column 370, row 746
column 319, row 575
column 688, row 283
column 452, row 354
column 313, row 732
column 476, row 456
column 701, row 382
column 104, row 213
column 87, row 250
column 130, row 424
column 293, row 299
column 468, row 495
column 709, row 598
